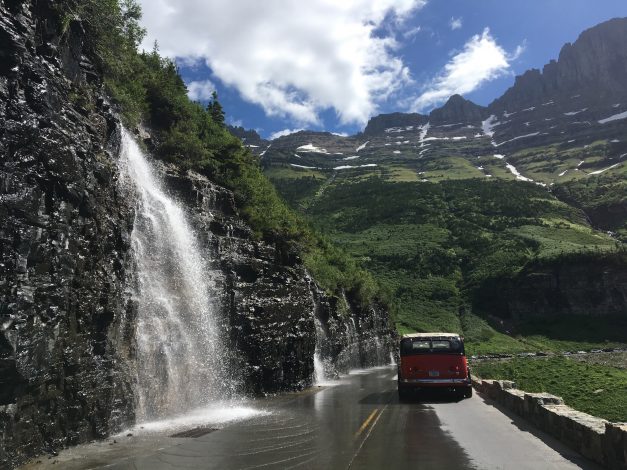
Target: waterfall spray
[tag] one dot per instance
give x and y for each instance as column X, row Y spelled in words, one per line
column 180, row 356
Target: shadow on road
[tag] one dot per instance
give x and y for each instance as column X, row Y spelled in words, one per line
column 425, row 397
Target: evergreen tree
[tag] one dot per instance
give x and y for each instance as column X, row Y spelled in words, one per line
column 215, row 109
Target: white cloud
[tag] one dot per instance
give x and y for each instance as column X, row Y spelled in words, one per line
column 284, row 132
column 410, row 33
column 455, row 23
column 294, row 58
column 481, row 60
column 200, row 90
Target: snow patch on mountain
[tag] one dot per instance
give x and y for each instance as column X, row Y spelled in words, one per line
column 264, row 152
column 311, row 148
column 516, row 173
column 362, row 146
column 424, row 129
column 305, row 167
column 598, row 172
column 574, row 113
column 346, row 167
column 517, row 138
column 615, row 117
column 488, row 125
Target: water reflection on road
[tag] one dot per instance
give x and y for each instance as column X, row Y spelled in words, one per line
column 357, row 423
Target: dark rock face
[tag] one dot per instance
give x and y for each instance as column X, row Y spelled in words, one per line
column 596, row 288
column 380, row 123
column 352, row 336
column 269, row 302
column 63, row 240
column 595, row 65
column 458, row 110
column 250, row 138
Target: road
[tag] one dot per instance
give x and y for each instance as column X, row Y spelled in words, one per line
column 357, row 423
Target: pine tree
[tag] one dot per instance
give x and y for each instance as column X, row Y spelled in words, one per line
column 215, row 110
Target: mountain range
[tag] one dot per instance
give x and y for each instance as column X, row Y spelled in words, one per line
column 444, row 207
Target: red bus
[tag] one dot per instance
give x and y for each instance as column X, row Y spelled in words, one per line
column 433, row 361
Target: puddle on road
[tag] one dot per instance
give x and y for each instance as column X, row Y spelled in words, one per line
column 215, row 415
column 145, row 439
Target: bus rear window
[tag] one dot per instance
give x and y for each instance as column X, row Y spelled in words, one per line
column 411, row 346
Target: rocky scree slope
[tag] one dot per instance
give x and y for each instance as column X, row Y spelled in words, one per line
column 67, row 356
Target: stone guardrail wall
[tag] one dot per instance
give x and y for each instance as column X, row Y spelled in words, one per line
column 595, row 438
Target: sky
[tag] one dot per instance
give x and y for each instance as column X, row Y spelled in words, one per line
column 279, row 66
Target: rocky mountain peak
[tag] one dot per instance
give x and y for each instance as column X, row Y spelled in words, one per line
column 248, row 136
column 380, row 123
column 594, row 66
column 457, row 110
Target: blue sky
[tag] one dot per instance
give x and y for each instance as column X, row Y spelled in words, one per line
column 328, row 65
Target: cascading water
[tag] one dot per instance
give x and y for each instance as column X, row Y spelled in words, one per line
column 319, row 374
column 180, row 356
column 320, row 365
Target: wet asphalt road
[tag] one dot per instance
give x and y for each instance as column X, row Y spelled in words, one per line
column 358, row 424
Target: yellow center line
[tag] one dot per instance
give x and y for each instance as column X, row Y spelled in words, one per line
column 366, row 423
column 374, row 423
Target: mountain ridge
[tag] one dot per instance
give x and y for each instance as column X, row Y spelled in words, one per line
column 534, row 86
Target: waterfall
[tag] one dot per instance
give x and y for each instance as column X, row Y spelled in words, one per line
column 181, row 360
column 319, row 374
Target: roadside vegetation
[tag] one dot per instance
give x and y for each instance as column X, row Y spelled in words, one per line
column 599, row 390
column 147, row 89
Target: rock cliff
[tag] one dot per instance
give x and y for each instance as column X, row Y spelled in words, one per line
column 458, row 110
column 271, row 304
column 380, row 123
column 592, row 286
column 595, row 66
column 63, row 241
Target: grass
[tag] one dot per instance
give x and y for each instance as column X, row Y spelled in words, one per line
column 564, row 238
column 282, row 172
column 547, row 163
column 481, row 338
column 595, row 389
column 575, row 332
column 400, row 173
column 449, row 168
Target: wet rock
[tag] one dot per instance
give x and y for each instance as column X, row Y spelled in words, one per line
column 270, row 304
column 62, row 270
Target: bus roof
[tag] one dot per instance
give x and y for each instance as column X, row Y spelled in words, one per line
column 431, row 335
